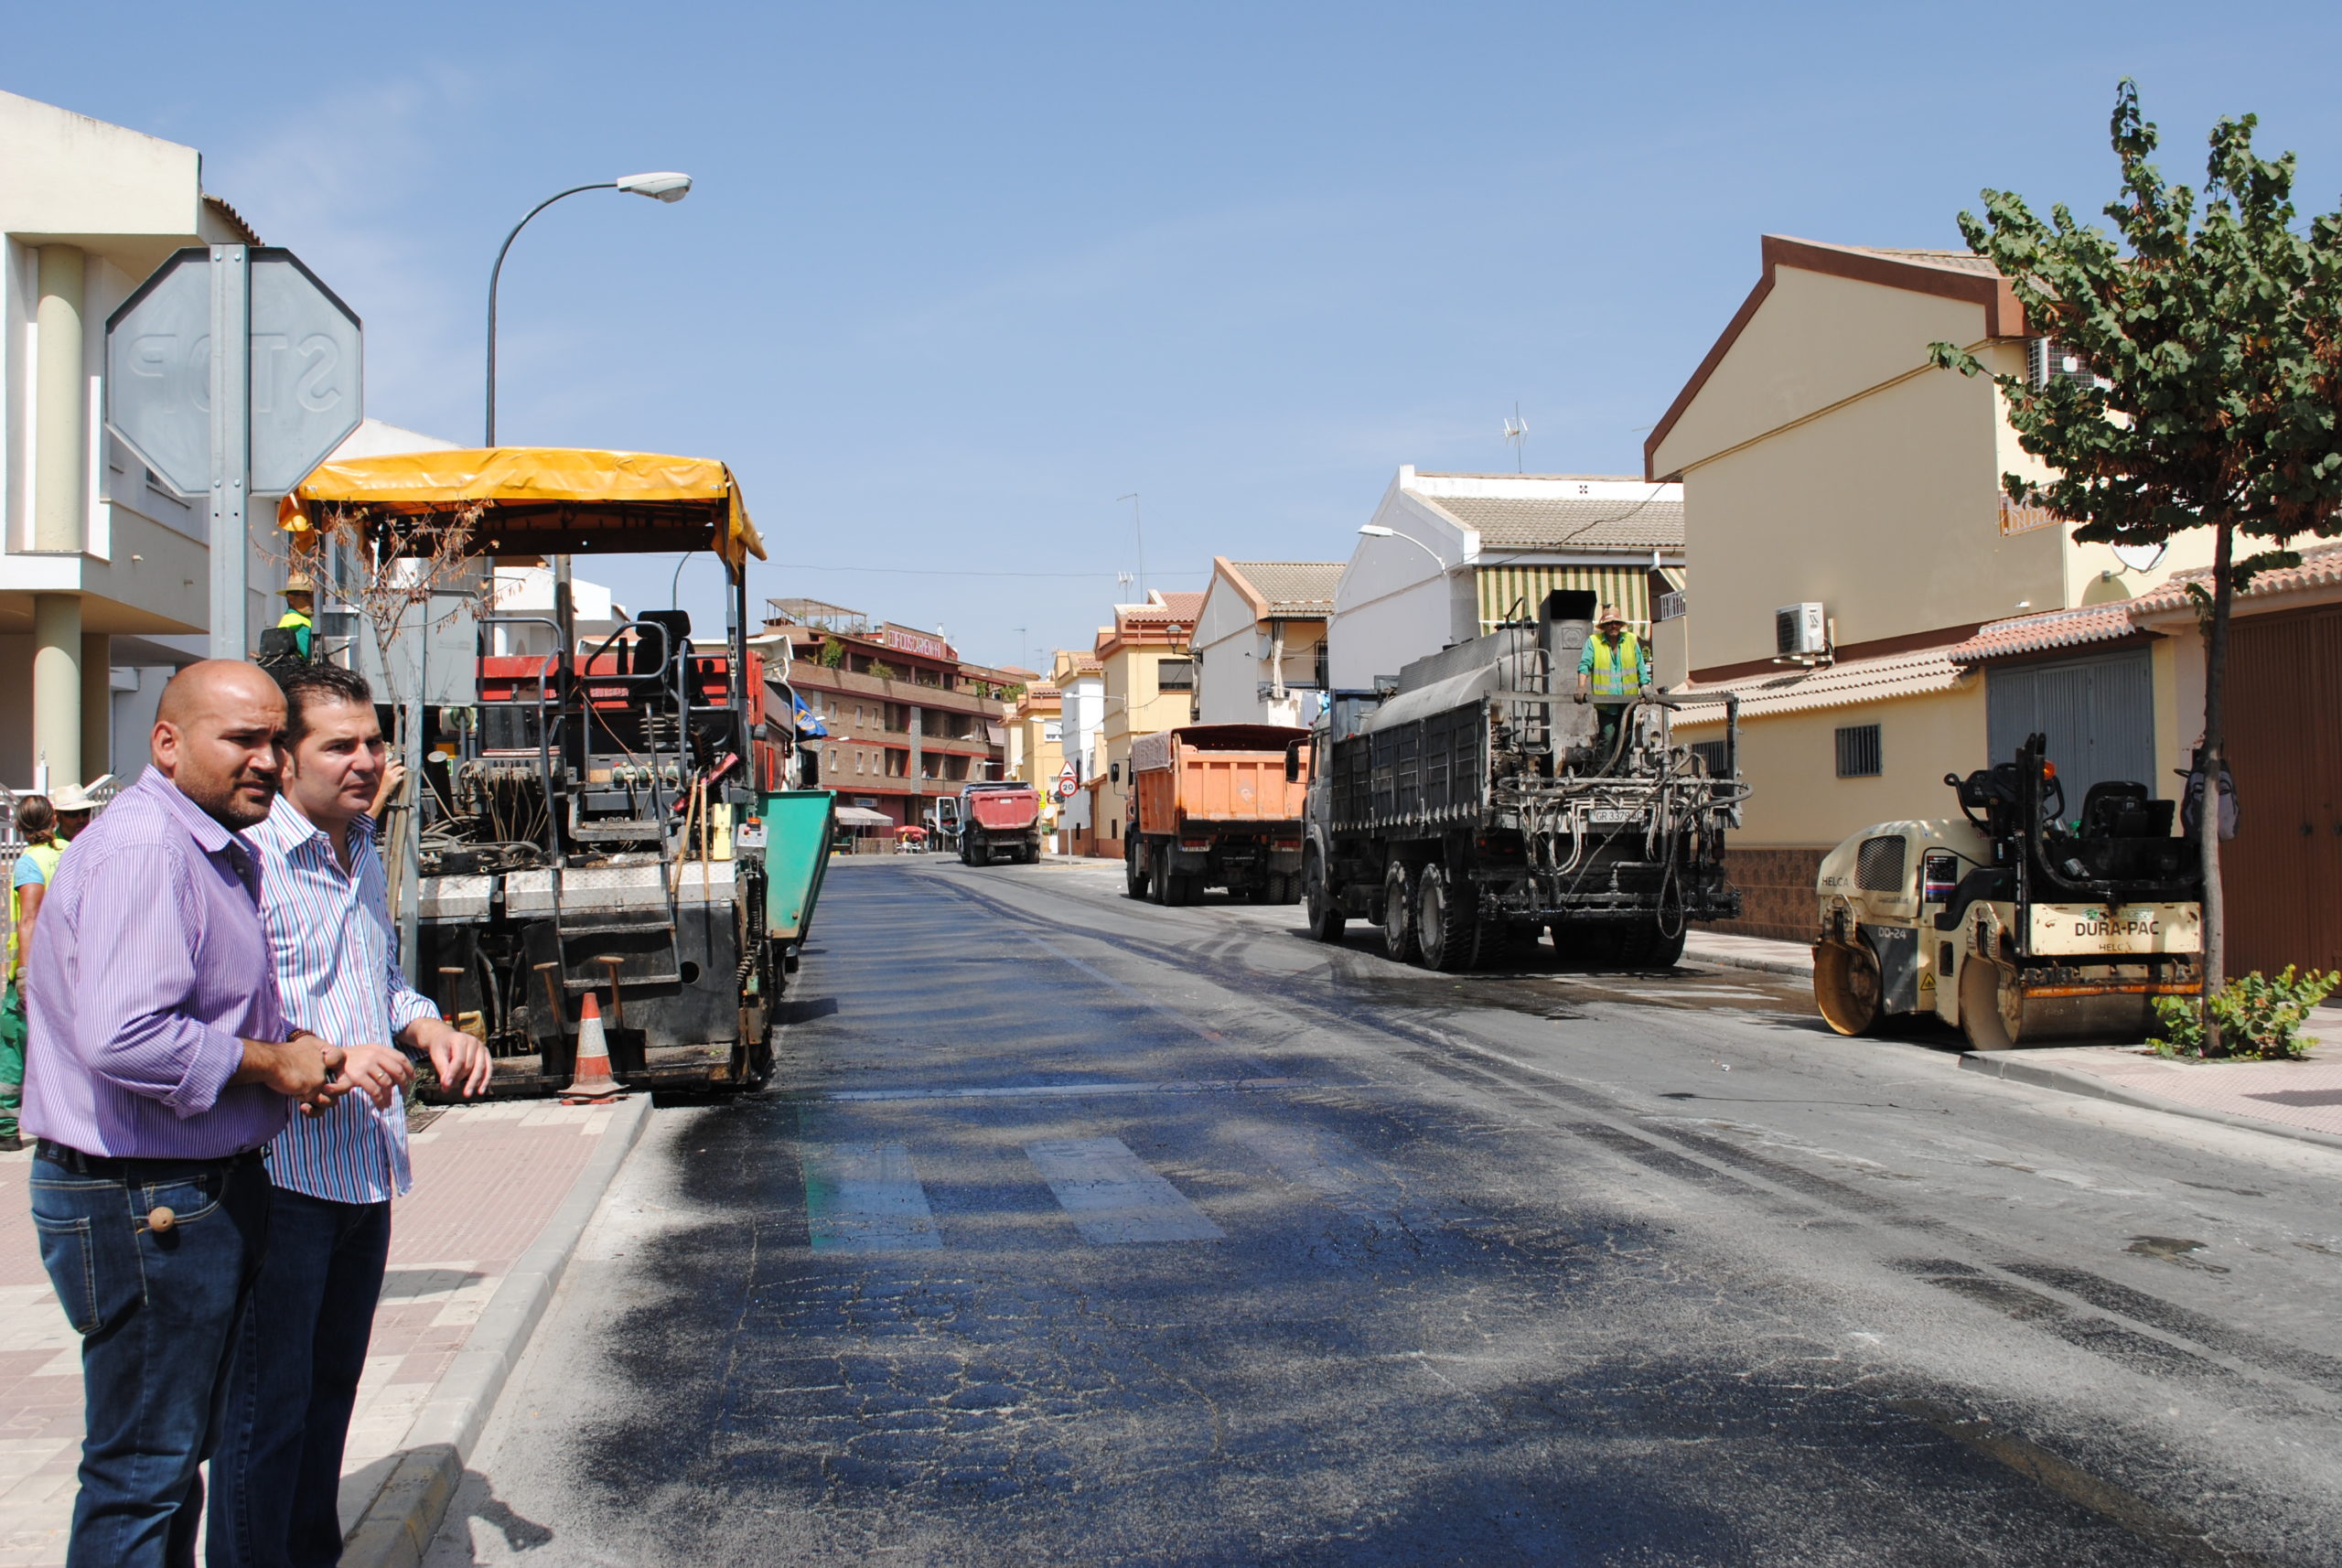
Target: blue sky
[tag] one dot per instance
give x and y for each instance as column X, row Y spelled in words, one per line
column 953, row 278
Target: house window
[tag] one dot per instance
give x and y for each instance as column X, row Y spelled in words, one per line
column 1175, row 675
column 1858, row 752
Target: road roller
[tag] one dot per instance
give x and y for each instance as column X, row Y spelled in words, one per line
column 2011, row 921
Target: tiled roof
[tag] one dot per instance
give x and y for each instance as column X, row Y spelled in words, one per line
column 2321, row 568
column 1182, row 608
column 2054, row 628
column 1293, row 587
column 1512, row 522
column 1951, row 261
column 1846, row 685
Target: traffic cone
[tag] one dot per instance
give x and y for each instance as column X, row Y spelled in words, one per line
column 591, row 1084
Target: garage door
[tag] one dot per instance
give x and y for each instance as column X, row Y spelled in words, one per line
column 2099, row 713
column 2284, row 727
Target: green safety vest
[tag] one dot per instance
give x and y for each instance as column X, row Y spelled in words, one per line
column 1618, row 671
column 44, row 855
column 295, row 621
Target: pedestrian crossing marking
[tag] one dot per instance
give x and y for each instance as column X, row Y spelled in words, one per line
column 865, row 1197
column 1113, row 1197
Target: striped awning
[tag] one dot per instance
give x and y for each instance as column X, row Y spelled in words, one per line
column 1511, row 592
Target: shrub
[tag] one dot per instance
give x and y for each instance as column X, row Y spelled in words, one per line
column 831, row 654
column 880, row 668
column 2259, row 1016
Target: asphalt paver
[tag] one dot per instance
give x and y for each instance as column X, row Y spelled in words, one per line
column 1080, row 1230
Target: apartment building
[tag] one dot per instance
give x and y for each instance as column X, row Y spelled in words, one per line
column 908, row 719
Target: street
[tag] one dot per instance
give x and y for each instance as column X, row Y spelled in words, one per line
column 1080, row 1230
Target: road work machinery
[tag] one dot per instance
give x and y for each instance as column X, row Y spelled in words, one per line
column 616, row 816
column 1216, row 806
column 1000, row 819
column 2010, row 922
column 1474, row 807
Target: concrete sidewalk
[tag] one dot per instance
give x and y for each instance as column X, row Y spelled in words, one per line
column 493, row 1184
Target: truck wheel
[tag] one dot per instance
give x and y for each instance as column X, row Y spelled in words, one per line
column 1847, row 991
column 1158, row 878
column 1647, row 947
column 1985, row 1014
column 1134, row 873
column 1187, row 890
column 1327, row 916
column 1399, row 915
column 1447, row 919
column 1289, row 888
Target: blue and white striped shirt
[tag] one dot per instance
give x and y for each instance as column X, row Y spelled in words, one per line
column 337, row 976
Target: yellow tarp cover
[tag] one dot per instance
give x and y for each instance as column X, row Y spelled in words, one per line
column 548, row 499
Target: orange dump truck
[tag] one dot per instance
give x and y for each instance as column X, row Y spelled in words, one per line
column 1217, row 806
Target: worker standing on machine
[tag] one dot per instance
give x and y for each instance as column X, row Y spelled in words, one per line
column 1613, row 672
column 300, row 617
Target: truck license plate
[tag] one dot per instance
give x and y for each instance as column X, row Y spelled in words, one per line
column 1612, row 816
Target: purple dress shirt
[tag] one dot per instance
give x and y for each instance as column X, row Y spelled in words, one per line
column 149, row 969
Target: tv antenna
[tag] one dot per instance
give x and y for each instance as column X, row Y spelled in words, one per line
column 1138, row 527
column 1516, row 435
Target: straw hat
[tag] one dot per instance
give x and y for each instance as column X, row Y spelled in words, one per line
column 71, row 798
column 1609, row 616
column 299, row 582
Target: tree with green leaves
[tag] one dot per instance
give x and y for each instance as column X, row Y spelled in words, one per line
column 2212, row 325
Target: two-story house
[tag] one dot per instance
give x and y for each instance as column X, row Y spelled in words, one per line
column 1825, row 464
column 1147, row 671
column 1260, row 641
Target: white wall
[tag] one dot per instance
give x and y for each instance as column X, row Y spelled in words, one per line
column 1394, row 604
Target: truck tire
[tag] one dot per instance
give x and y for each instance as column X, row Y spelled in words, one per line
column 1158, row 879
column 1645, row 946
column 1447, row 919
column 1399, row 913
column 1134, row 873
column 1186, row 889
column 1327, row 916
column 1846, row 987
column 1288, row 888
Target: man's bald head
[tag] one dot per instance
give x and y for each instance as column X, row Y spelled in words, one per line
column 217, row 729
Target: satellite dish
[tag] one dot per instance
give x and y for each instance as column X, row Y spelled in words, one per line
column 2138, row 557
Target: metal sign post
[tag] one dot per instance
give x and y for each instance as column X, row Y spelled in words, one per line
column 232, row 448
column 230, row 426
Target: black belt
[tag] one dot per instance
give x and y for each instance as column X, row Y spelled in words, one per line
column 137, row 1171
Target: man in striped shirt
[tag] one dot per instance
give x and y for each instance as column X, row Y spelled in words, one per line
column 294, row 1376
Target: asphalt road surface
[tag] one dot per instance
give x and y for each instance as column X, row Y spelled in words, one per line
column 1078, row 1230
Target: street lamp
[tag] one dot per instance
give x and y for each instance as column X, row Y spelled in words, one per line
column 1375, row 530
column 666, row 185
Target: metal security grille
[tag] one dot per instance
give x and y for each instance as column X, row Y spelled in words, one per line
column 1711, row 755
column 1878, row 864
column 1858, row 752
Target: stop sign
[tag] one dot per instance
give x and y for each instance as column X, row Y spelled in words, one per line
column 307, row 389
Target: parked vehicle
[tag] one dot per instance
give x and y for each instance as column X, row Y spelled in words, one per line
column 617, row 819
column 1216, row 806
column 1472, row 808
column 2010, row 921
column 998, row 819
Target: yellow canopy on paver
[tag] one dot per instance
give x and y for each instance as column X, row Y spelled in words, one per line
column 539, row 500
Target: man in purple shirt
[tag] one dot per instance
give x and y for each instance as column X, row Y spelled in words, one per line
column 160, row 1067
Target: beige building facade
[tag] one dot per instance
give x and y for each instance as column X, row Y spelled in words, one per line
column 97, row 558
column 1825, row 462
column 1147, row 671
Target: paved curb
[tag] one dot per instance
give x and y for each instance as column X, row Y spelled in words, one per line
column 2040, row 1075
column 398, row 1525
column 1739, row 960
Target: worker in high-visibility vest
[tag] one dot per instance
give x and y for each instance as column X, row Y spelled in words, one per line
column 28, row 885
column 1612, row 672
column 300, row 611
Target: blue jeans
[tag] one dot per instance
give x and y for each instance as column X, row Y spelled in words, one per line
column 157, row 1312
column 276, row 1480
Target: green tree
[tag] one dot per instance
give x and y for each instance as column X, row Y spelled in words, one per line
column 2213, row 327
column 831, row 654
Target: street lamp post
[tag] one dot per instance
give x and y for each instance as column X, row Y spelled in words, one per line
column 1375, row 530
column 660, row 186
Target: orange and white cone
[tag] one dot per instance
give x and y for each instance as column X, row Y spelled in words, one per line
column 591, row 1084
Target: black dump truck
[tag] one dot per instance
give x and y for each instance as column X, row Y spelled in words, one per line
column 1471, row 809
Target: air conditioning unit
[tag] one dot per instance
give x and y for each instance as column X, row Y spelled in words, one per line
column 2046, row 360
column 1800, row 632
